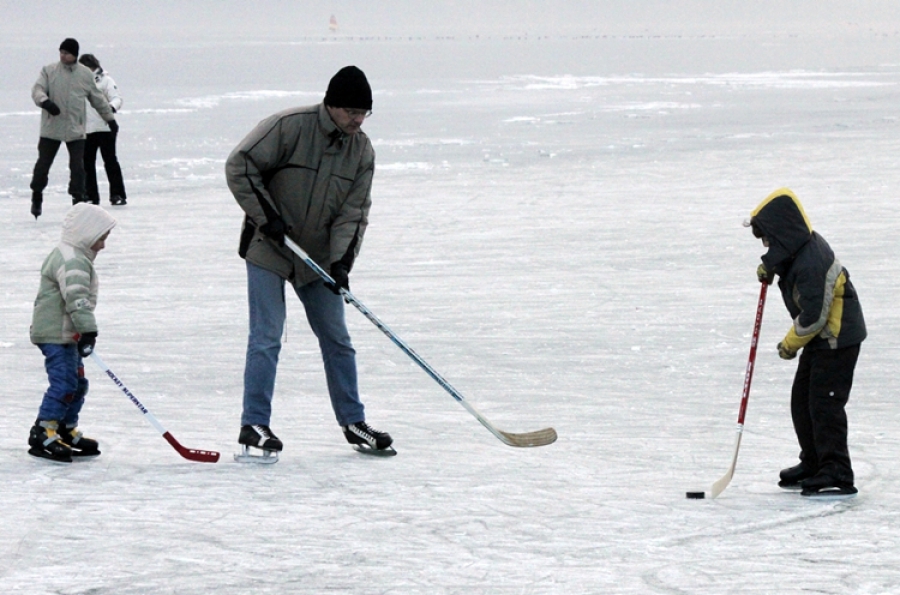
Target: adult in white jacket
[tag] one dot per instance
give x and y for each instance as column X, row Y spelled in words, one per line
column 99, row 136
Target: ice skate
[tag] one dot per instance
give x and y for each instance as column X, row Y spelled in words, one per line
column 792, row 477
column 825, row 487
column 368, row 440
column 82, row 446
column 45, row 443
column 255, row 438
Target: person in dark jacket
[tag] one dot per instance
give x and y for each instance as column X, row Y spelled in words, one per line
column 827, row 331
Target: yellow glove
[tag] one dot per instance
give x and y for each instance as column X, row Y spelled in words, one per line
column 763, row 275
column 785, row 352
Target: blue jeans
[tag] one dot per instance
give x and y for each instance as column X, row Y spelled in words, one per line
column 68, row 386
column 325, row 313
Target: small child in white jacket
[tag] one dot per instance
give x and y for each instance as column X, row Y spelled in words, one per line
column 64, row 328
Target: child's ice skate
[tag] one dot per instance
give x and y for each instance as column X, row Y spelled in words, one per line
column 81, row 445
column 45, row 443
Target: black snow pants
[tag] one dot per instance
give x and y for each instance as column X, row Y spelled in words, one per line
column 47, row 149
column 821, row 389
column 106, row 143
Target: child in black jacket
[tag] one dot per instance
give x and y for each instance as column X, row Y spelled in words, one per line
column 828, row 328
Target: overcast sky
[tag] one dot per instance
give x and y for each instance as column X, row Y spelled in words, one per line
column 145, row 21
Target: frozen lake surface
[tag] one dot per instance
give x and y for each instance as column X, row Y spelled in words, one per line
column 556, row 228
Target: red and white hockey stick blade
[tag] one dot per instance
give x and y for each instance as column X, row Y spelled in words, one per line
column 200, row 456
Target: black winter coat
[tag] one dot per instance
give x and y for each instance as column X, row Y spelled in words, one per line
column 815, row 287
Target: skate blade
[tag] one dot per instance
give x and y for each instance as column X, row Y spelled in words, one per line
column 829, row 496
column 44, row 457
column 268, row 457
column 368, row 450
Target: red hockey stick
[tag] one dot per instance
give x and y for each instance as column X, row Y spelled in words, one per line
column 201, row 456
column 719, row 486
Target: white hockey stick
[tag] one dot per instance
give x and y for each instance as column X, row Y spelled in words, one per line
column 536, row 438
column 719, row 486
column 200, row 456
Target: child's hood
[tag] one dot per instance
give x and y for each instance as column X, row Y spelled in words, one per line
column 84, row 225
column 782, row 220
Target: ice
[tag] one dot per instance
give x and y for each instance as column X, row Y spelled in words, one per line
column 608, row 291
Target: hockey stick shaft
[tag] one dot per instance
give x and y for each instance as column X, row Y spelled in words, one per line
column 536, row 438
column 719, row 486
column 201, row 456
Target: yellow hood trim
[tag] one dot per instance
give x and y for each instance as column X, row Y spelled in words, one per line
column 784, row 192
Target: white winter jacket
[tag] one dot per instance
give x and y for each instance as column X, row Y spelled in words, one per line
column 108, row 87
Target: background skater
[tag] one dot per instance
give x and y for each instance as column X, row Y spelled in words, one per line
column 100, row 136
column 60, row 91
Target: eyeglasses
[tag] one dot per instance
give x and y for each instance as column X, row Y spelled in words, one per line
column 358, row 113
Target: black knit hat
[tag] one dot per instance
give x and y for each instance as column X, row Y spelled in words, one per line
column 70, row 45
column 349, row 88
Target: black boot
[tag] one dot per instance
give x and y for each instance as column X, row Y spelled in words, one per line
column 362, row 433
column 37, row 201
column 825, row 486
column 45, row 442
column 793, row 476
column 261, row 437
column 81, row 445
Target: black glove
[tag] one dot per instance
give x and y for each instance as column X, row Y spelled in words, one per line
column 113, row 126
column 341, row 275
column 51, row 107
column 86, row 343
column 274, row 229
column 763, row 275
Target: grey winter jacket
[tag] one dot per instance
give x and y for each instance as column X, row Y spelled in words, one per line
column 68, row 86
column 67, row 294
column 298, row 165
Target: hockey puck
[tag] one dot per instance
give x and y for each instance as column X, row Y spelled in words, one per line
column 695, row 495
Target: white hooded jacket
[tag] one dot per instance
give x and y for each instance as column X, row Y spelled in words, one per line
column 68, row 291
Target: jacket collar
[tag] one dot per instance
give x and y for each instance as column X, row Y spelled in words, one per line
column 336, row 136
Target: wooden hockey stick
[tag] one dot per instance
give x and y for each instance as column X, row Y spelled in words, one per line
column 536, row 438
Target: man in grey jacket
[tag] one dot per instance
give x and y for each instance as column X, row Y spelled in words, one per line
column 305, row 173
column 60, row 91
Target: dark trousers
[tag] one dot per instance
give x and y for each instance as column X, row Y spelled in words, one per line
column 820, row 393
column 106, row 142
column 47, row 149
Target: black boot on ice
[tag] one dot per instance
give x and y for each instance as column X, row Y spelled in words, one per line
column 258, row 437
column 81, row 445
column 791, row 477
column 45, row 442
column 827, row 487
column 261, row 437
column 367, row 439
